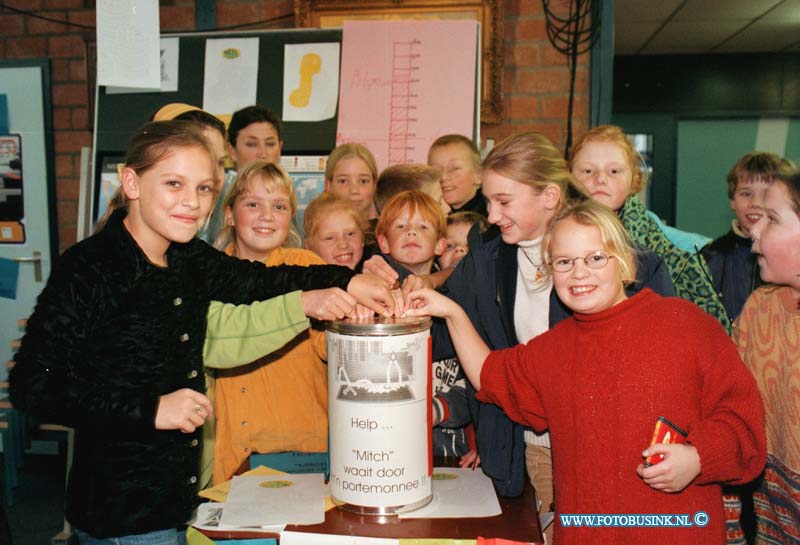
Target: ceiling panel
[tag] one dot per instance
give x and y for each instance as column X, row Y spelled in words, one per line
column 763, row 36
column 637, row 10
column 691, row 36
column 703, row 26
column 788, row 10
column 632, row 39
column 723, row 10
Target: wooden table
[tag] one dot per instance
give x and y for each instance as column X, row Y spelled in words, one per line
column 518, row 522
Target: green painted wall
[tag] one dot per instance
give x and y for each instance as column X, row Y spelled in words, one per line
column 655, row 93
column 793, row 141
column 706, row 150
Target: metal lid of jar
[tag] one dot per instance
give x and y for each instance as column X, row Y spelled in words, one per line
column 380, row 326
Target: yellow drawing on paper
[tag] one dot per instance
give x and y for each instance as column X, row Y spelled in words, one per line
column 275, row 484
column 310, row 64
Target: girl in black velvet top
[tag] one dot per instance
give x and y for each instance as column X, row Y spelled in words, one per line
column 114, row 347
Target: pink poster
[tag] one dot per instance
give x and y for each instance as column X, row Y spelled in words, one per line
column 405, row 83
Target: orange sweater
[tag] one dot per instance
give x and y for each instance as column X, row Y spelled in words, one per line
column 768, row 336
column 277, row 403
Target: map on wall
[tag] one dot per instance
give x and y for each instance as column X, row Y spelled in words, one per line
column 405, row 83
column 308, row 176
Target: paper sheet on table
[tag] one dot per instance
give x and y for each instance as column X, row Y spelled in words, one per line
column 310, row 81
column 302, row 538
column 255, row 500
column 209, row 517
column 405, row 83
column 219, row 493
column 169, row 58
column 128, row 44
column 444, row 541
column 230, row 79
column 459, row 493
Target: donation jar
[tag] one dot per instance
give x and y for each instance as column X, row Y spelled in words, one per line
column 379, row 414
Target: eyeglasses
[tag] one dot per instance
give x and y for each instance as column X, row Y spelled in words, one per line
column 596, row 260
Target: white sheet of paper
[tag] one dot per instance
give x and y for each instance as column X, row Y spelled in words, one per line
column 170, row 53
column 128, row 43
column 302, row 538
column 310, row 81
column 459, row 493
column 230, row 79
column 256, row 500
column 209, row 515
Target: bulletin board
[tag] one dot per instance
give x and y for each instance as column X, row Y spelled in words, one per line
column 119, row 115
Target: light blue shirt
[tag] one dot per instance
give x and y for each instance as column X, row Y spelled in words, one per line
column 686, row 241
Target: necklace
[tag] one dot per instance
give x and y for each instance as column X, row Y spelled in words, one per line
column 541, row 271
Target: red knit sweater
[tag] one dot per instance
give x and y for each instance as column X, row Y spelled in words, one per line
column 600, row 381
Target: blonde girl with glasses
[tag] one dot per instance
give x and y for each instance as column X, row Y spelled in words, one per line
column 601, row 379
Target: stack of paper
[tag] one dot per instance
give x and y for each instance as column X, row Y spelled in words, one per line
column 265, row 500
column 300, row 538
column 209, row 516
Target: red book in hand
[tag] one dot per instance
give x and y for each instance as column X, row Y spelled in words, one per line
column 665, row 433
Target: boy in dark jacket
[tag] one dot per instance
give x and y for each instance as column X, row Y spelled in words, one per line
column 733, row 266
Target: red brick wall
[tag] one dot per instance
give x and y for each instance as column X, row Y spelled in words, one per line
column 536, row 79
